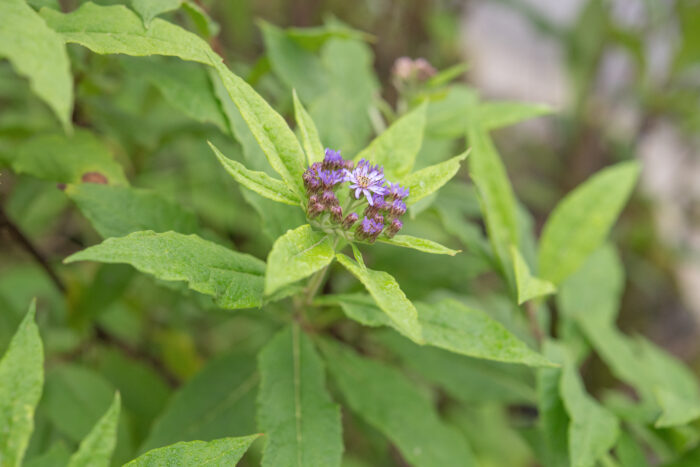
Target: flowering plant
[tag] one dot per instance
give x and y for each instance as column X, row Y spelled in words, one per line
column 318, row 309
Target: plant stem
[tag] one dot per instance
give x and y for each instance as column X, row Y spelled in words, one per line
column 531, row 309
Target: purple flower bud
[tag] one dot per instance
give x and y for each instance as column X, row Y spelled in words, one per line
column 424, row 69
column 403, row 67
column 369, row 229
column 393, row 228
column 315, row 209
column 313, row 199
column 328, row 198
column 337, row 213
column 378, row 218
column 348, row 165
column 396, row 191
column 397, row 208
column 349, row 220
column 313, row 185
column 332, row 160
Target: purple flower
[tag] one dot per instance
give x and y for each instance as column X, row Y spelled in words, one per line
column 397, row 208
column 369, row 229
column 337, row 213
column 315, row 209
column 332, row 159
column 396, row 191
column 330, row 178
column 366, row 179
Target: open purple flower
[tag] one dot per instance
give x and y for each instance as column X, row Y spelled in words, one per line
column 366, row 179
column 330, row 178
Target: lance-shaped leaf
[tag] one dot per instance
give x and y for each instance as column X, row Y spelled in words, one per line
column 96, row 448
column 115, row 211
column 235, row 280
column 528, row 286
column 309, row 133
column 581, row 221
column 453, row 326
column 22, row 378
column 68, row 159
column 430, row 179
column 420, row 244
column 118, row 30
column 38, row 53
column 295, row 255
column 296, row 413
column 259, row 182
column 391, row 403
column 186, row 86
column 493, row 115
column 225, row 451
column 218, row 401
column 389, row 296
column 397, row 147
column 593, row 430
column 275, row 138
column 496, row 197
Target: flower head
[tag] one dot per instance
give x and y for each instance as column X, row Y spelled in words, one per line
column 396, row 191
column 332, row 159
column 369, row 229
column 397, row 208
column 330, row 178
column 366, row 179
column 393, row 228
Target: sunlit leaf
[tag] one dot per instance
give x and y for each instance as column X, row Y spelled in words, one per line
column 528, row 286
column 428, row 180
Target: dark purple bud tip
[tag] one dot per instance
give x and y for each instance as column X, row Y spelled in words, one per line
column 313, row 185
column 337, row 213
column 349, row 220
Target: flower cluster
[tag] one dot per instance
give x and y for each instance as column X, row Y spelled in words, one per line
column 384, row 200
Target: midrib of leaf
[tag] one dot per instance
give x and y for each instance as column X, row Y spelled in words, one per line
column 243, row 388
column 311, row 247
column 296, row 352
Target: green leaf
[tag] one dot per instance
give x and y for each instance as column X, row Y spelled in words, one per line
column 225, row 451
column 38, row 53
column 392, row 404
column 397, row 147
column 22, row 376
column 496, row 197
column 295, row 411
column 430, row 179
column 389, row 296
column 581, row 221
column 603, row 272
column 56, row 456
column 452, row 326
column 295, row 255
column 97, row 447
column 186, row 86
column 420, row 244
column 498, row 114
column 117, row 30
column 553, row 420
column 466, row 379
column 149, row 9
column 235, row 280
column 115, row 211
column 259, row 182
column 296, row 66
column 529, row 286
column 447, row 116
column 359, row 307
column 276, row 139
column 67, row 159
column 218, row 401
column 309, row 133
column 593, row 430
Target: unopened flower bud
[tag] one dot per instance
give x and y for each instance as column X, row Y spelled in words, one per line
column 328, row 198
column 393, row 228
column 337, row 213
column 349, row 220
column 424, row 69
column 397, row 208
column 315, row 209
column 313, row 199
column 348, row 165
column 403, row 67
